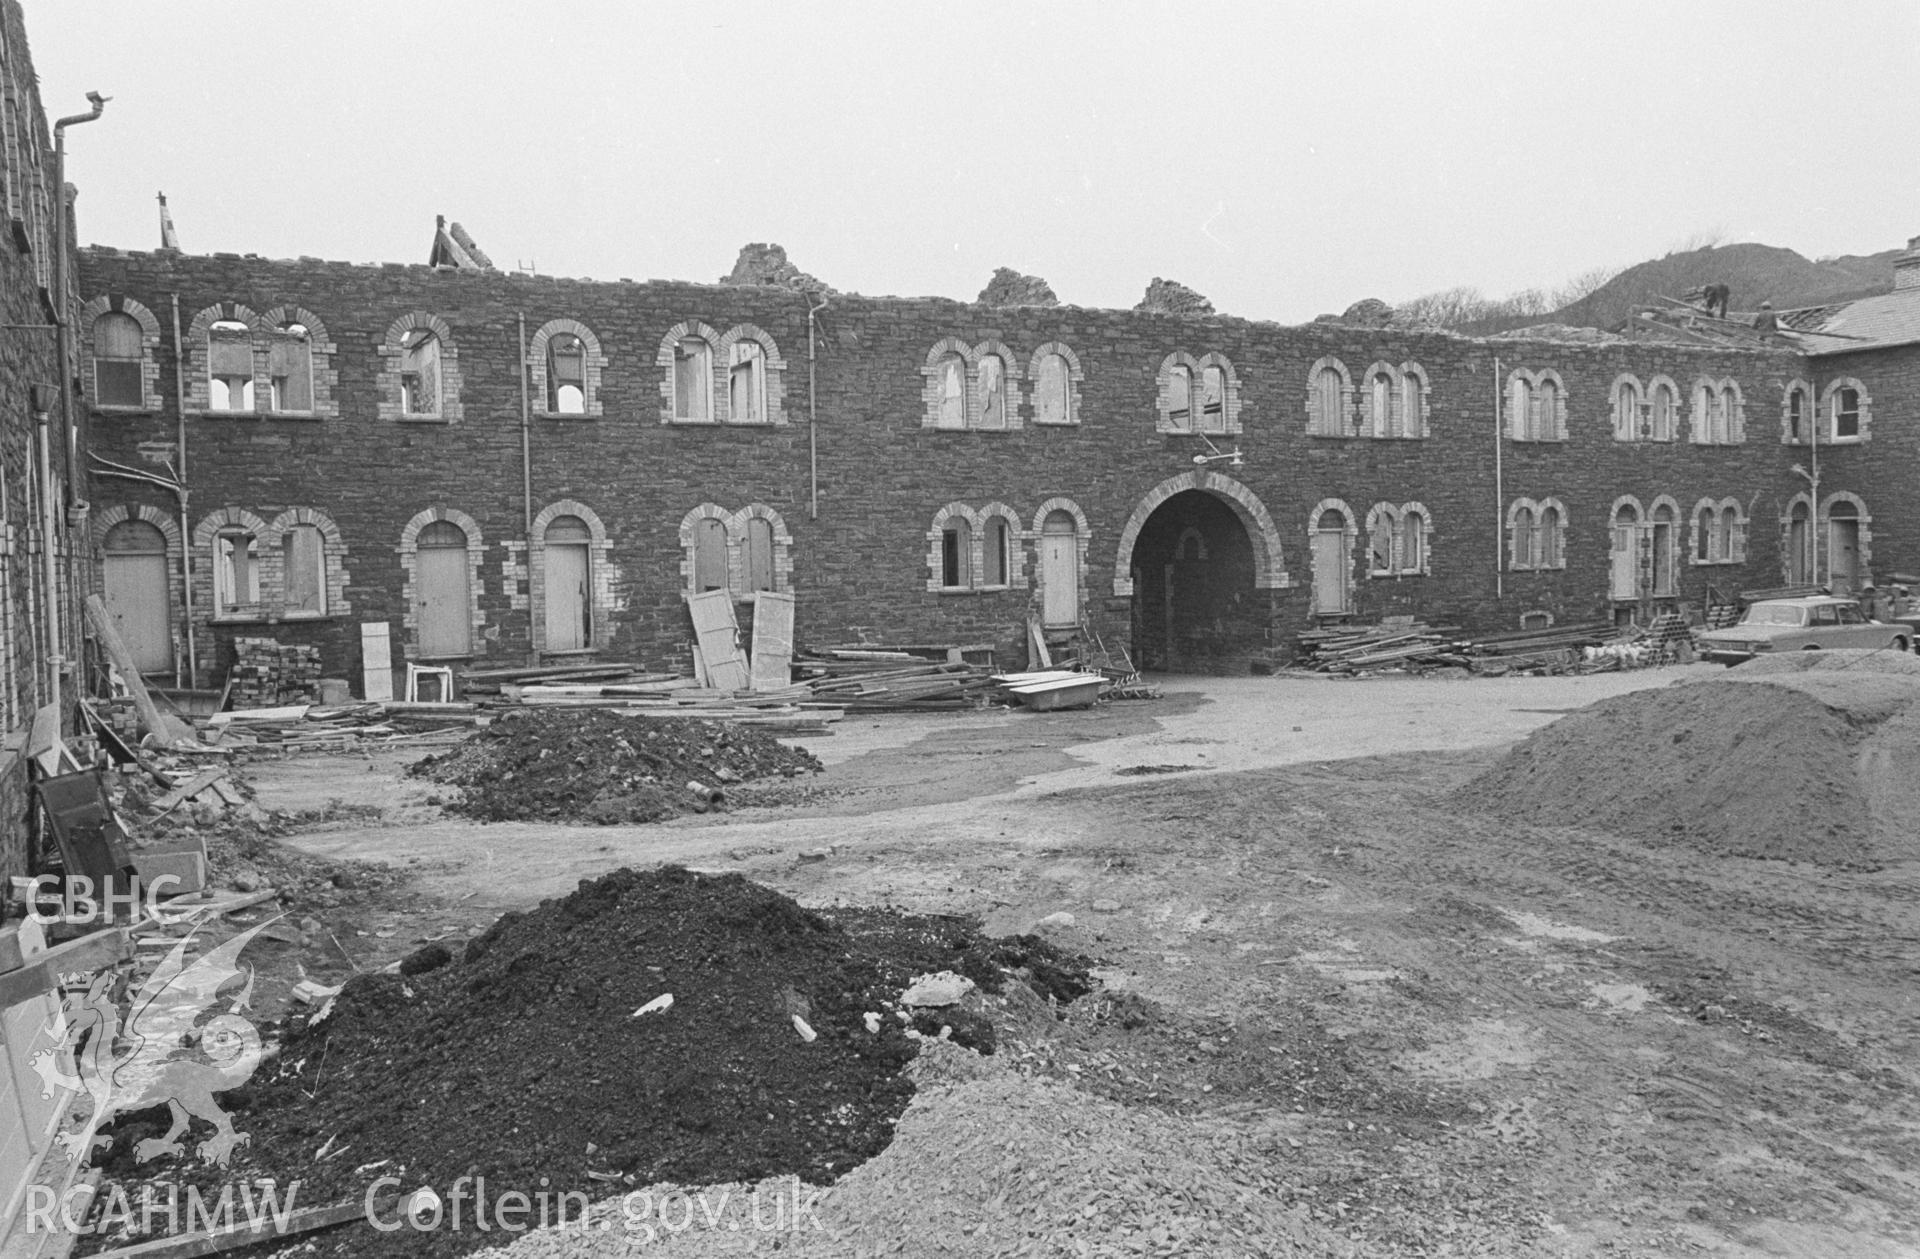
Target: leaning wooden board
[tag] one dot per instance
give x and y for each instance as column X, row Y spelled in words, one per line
column 772, row 641
column 719, row 634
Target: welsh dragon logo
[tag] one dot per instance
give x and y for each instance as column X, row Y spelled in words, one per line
column 164, row 1053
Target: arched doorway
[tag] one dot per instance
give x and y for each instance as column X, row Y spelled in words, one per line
column 1843, row 548
column 1195, row 605
column 134, row 586
column 443, row 591
column 568, row 551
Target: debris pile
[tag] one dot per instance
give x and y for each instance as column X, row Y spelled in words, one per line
column 880, row 679
column 1407, row 645
column 527, row 1059
column 266, row 673
column 1778, row 765
column 605, row 768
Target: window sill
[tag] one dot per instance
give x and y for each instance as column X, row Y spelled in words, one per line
column 239, row 618
column 957, row 591
column 422, row 419
column 309, row 616
column 210, row 414
column 109, row 408
column 968, row 428
column 571, row 653
column 1538, row 441
column 1040, row 423
column 566, row 415
column 1844, row 441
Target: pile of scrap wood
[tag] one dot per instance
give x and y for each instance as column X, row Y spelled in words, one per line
column 870, row 679
column 1553, row 650
column 1396, row 643
column 314, row 727
column 1406, row 645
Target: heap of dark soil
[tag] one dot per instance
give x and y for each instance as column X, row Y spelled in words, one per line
column 1732, row 767
column 591, row 765
column 522, row 1059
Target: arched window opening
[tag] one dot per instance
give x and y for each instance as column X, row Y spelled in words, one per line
column 420, row 372
column 229, row 366
column 709, row 555
column 692, row 380
column 566, row 375
column 118, row 347
column 956, row 548
column 1053, row 395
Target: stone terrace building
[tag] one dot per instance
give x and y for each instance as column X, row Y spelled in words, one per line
column 504, row 466
column 42, row 495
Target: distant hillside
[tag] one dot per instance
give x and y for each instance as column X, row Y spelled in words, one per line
column 1755, row 273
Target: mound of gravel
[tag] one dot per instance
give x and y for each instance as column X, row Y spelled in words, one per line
column 1757, row 767
column 599, row 767
column 522, row 1060
column 988, row 1162
column 1849, row 659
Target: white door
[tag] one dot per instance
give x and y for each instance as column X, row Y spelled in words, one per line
column 443, row 602
column 1059, row 570
column 1330, row 562
column 566, row 588
column 1626, row 563
column 134, row 577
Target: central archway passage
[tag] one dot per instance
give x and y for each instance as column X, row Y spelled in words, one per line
column 1200, row 556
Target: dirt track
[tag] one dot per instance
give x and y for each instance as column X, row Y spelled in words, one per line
column 1462, row 1031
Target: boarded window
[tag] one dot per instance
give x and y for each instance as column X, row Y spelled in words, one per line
column 290, row 368
column 118, row 346
column 1413, row 542
column 1329, row 403
column 566, row 375
column 236, row 572
column 953, row 392
column 956, row 555
column 1053, row 396
column 420, row 373
column 1733, row 536
column 747, row 384
column 692, row 380
column 304, row 561
column 1547, row 545
column 1523, row 538
column 1213, row 399
column 1797, row 416
column 1413, row 408
column 998, row 552
column 709, row 555
column 1706, row 522
column 1179, row 398
column 993, row 391
column 1380, row 399
column 760, row 571
column 229, row 366
column 1661, row 424
column 1626, row 412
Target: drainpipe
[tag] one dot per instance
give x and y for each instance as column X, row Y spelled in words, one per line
column 1813, row 508
column 813, row 416
column 49, row 562
column 180, row 491
column 69, row 434
column 526, row 485
column 1499, row 495
column 7, row 714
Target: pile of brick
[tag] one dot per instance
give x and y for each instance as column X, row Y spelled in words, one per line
column 267, row 674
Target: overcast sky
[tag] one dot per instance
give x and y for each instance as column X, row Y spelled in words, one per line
column 1284, row 159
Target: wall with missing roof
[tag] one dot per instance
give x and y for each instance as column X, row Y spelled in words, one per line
column 890, row 481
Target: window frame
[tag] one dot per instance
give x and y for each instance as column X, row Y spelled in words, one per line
column 1330, row 397
column 113, row 304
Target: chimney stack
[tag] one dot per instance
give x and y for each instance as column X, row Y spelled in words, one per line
column 1906, row 267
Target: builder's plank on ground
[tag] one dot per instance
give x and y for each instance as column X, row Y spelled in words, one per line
column 43, row 970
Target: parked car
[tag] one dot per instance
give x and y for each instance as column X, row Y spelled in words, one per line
column 1800, row 625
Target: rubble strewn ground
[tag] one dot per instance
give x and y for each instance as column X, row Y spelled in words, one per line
column 521, row 1057
column 1337, row 1008
column 596, row 766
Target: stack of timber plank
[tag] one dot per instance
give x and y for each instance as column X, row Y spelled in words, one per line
column 1400, row 643
column 1552, row 650
column 869, row 679
column 267, row 672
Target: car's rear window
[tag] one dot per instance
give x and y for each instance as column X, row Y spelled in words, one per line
column 1772, row 614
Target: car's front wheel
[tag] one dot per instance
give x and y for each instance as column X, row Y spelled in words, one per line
column 1811, row 647
column 1899, row 642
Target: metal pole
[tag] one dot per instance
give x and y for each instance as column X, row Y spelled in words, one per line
column 182, row 493
column 526, row 486
column 1499, row 494
column 1813, row 507
column 813, row 416
column 49, row 563
column 69, row 435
